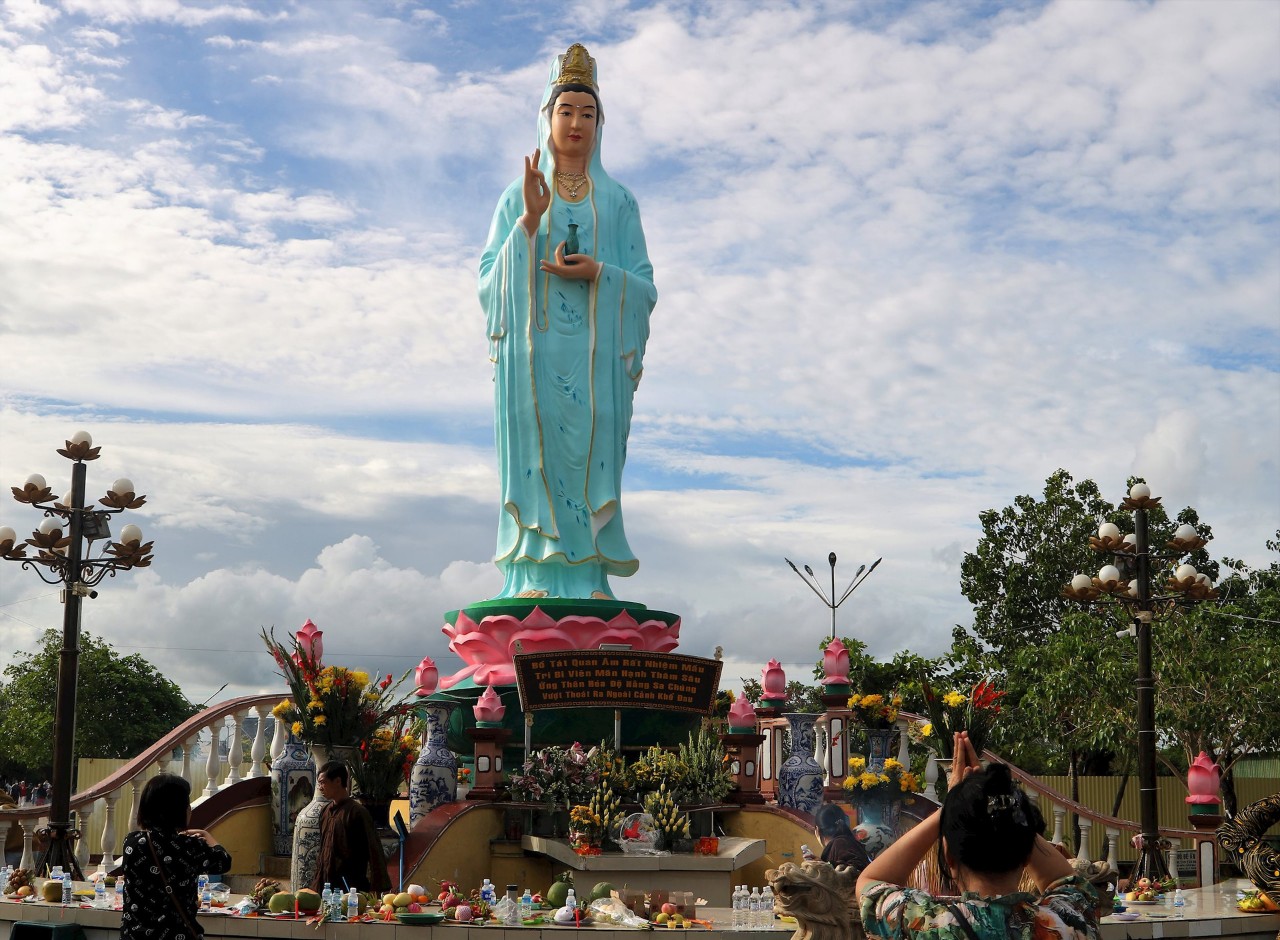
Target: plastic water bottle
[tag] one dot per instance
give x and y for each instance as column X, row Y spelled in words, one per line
column 119, row 902
column 1179, row 903
column 4, row 878
column 512, row 906
column 766, row 908
column 201, row 882
column 326, row 899
column 353, row 906
column 66, row 888
column 739, row 893
column 753, row 910
column 100, row 892
column 206, row 898
column 526, row 904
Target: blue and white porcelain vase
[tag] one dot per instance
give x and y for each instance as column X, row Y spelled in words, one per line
column 293, row 783
column 435, row 773
column 306, row 830
column 879, row 740
column 800, row 776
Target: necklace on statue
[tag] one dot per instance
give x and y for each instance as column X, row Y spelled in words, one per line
column 573, row 183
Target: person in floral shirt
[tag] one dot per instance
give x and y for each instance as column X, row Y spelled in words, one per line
column 987, row 833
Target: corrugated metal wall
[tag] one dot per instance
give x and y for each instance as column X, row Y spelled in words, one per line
column 1098, row 793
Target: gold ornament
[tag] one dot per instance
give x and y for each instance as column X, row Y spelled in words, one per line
column 577, row 67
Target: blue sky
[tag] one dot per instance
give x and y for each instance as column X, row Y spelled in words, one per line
column 911, row 259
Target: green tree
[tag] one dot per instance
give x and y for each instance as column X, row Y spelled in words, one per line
column 1037, row 642
column 123, row 705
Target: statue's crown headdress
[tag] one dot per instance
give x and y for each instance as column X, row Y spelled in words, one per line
column 577, row 67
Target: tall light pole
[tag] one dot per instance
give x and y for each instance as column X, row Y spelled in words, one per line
column 859, row 576
column 64, row 549
column 1179, row 585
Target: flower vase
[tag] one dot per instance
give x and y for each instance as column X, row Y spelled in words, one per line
column 293, row 784
column 877, row 824
column 879, row 740
column 800, row 776
column 306, row 829
column 435, row 772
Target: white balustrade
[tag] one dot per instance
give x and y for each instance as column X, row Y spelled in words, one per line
column 28, row 833
column 1113, row 860
column 258, row 750
column 904, row 756
column 1086, row 827
column 84, row 819
column 931, row 774
column 214, row 762
column 1059, row 814
column 235, row 748
column 820, row 749
column 135, row 787
column 109, row 830
column 187, row 747
column 280, row 737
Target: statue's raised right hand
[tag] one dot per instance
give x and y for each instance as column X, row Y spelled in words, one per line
column 537, row 196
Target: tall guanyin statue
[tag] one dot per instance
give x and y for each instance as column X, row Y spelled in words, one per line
column 567, row 289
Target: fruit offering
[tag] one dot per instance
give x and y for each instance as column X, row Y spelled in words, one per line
column 262, row 892
column 19, row 883
column 1256, row 902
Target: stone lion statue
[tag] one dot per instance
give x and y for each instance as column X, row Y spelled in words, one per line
column 821, row 899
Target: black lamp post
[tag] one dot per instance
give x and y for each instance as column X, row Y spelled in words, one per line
column 859, row 576
column 64, row 554
column 1181, row 585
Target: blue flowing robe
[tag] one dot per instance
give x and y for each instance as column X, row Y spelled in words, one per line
column 567, row 356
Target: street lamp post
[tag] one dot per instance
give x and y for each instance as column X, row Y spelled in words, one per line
column 859, row 576
column 1182, row 585
column 64, row 554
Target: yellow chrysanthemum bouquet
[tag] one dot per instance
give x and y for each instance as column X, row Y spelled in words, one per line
column 894, row 782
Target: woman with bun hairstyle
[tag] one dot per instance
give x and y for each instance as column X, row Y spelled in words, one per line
column 840, row 846
column 987, row 833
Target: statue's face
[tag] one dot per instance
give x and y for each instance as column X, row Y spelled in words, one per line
column 573, row 124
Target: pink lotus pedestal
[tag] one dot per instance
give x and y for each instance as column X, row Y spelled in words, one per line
column 486, row 635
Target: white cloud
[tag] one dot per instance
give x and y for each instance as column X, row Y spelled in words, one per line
column 906, row 270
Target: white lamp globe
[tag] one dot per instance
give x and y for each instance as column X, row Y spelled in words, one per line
column 1108, row 530
column 82, row 437
column 37, row 481
column 1139, row 491
column 49, row 524
column 130, row 533
column 7, row 534
column 122, row 486
column 1108, row 573
column 1185, row 572
column 1186, row 532
column 1081, row 582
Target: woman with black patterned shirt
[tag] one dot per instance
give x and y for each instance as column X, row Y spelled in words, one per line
column 162, row 862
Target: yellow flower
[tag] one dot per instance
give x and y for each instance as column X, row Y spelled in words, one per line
column 867, row 780
column 909, row 782
column 297, row 729
column 360, row 678
column 284, row 706
column 315, row 705
column 870, row 700
column 850, row 783
column 953, row 699
column 320, row 720
column 892, row 764
column 857, row 763
column 883, row 778
column 926, row 730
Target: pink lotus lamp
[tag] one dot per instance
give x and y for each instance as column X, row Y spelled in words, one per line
column 1203, row 780
column 835, row 664
column 742, row 717
column 488, row 709
column 774, row 681
column 311, row 641
column 427, row 676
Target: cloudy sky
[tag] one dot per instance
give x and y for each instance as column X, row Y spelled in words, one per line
column 911, row 259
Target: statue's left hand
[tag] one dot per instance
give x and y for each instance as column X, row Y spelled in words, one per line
column 582, row 268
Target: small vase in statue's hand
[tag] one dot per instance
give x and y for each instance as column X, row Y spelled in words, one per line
column 571, row 243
